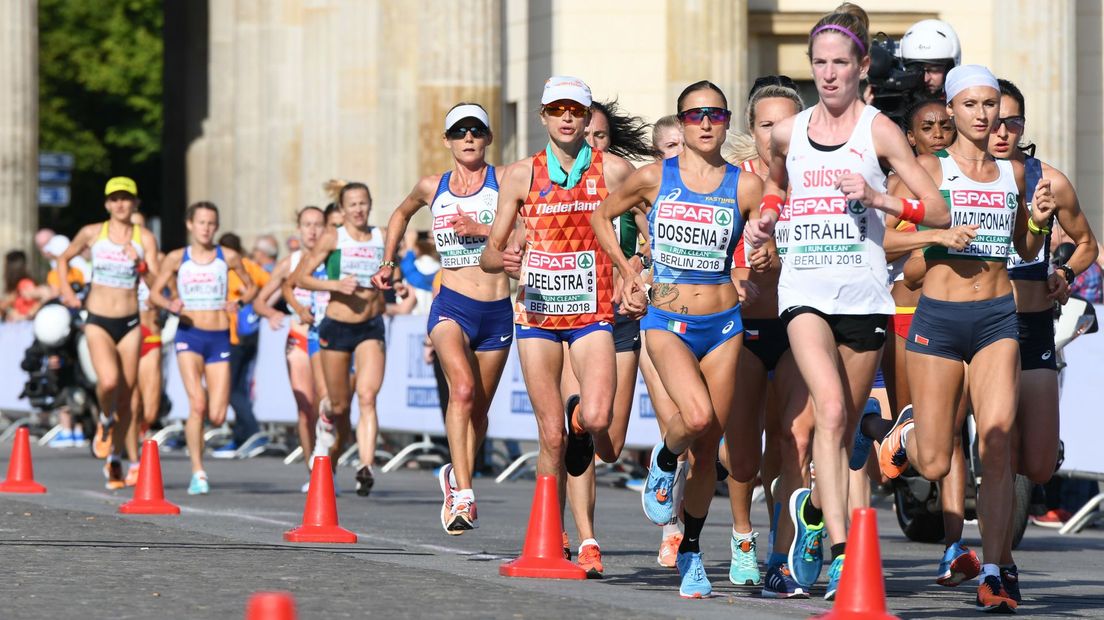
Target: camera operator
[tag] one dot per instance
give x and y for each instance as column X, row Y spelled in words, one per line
column 901, row 74
column 930, row 47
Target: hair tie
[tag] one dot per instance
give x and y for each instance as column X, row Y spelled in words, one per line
column 854, row 37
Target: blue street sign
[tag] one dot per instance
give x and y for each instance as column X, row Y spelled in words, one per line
column 47, row 159
column 53, row 195
column 54, row 175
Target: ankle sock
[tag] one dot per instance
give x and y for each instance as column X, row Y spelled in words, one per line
column 694, row 527
column 838, row 549
column 811, row 513
column 667, row 460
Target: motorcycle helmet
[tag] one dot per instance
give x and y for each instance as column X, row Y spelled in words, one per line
column 52, row 324
column 931, row 40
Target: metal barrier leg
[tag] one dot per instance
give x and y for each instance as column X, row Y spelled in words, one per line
column 516, row 465
column 50, row 434
column 1083, row 516
column 349, row 457
column 295, row 455
column 9, row 432
column 173, row 430
column 425, row 445
column 222, row 431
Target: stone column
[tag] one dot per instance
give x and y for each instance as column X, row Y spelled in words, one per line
column 707, row 39
column 18, row 124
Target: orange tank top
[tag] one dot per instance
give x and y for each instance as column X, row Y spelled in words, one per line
column 566, row 278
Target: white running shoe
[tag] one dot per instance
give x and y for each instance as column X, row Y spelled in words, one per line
column 325, row 438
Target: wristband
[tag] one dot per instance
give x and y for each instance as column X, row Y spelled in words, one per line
column 1035, row 229
column 912, row 210
column 141, row 267
column 388, row 263
column 645, row 262
column 771, row 202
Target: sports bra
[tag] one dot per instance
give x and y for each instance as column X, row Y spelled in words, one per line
column 202, row 286
column 111, row 265
column 360, row 259
column 462, row 250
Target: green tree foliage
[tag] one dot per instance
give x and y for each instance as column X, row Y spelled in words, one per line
column 100, row 71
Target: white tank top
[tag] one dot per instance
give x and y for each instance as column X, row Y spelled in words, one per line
column 143, row 296
column 360, row 259
column 316, row 301
column 202, row 286
column 831, row 250
column 460, row 250
column 991, row 206
column 111, row 265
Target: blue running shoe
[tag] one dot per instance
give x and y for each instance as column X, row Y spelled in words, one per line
column 744, row 570
column 199, row 485
column 806, row 556
column 226, row 451
column 861, row 450
column 834, row 573
column 694, row 582
column 656, row 496
column 781, row 584
column 959, row 564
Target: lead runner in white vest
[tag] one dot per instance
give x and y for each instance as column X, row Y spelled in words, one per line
column 832, row 291
column 471, row 320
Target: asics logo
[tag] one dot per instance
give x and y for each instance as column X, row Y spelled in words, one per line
column 728, row 327
column 1046, row 355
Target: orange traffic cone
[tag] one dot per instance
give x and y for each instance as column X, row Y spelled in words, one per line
column 149, row 493
column 20, row 470
column 861, row 594
column 320, row 514
column 270, row 606
column 542, row 555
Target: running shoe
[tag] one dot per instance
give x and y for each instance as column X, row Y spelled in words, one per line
column 465, row 515
column 199, row 485
column 806, row 556
column 590, row 560
column 744, row 569
column 861, row 449
column 695, row 584
column 959, row 564
column 79, row 440
column 365, row 481
column 834, row 572
column 567, row 547
column 774, row 524
column 781, row 584
column 580, row 448
column 132, row 474
column 656, row 496
column 324, row 437
column 993, row 598
column 448, row 489
column 101, row 441
column 226, row 451
column 63, row 439
column 1054, row 518
column 892, row 457
column 113, row 472
column 668, row 550
column 1010, row 579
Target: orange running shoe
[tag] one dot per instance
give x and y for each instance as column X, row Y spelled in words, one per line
column 101, row 441
column 668, row 550
column 892, row 456
column 590, row 560
column 113, row 471
column 567, row 547
column 993, row 598
column 132, row 474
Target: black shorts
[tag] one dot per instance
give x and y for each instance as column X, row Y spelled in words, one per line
column 626, row 333
column 116, row 327
column 767, row 340
column 859, row 332
column 957, row 330
column 1037, row 340
column 340, row 336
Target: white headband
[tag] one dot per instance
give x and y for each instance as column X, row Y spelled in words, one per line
column 468, row 110
column 967, row 76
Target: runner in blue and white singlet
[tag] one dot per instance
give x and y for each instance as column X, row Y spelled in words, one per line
column 471, row 319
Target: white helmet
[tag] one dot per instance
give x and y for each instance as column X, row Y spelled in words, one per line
column 931, row 40
column 52, row 324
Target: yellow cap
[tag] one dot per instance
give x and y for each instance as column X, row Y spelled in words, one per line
column 121, row 184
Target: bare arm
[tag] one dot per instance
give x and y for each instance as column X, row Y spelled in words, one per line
column 76, row 246
column 303, row 276
column 150, row 251
column 271, row 291
column 895, row 149
column 757, row 232
column 1073, row 221
column 898, row 243
column 396, row 226
column 249, row 288
column 169, row 266
column 511, row 196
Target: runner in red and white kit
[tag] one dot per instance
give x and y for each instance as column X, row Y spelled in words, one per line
column 565, row 295
column 832, row 291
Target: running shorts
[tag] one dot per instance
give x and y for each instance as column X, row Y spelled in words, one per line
column 957, row 330
column 626, row 333
column 341, row 336
column 212, row 345
column 1037, row 340
column 150, row 342
column 858, row 332
column 561, row 335
column 767, row 340
column 902, row 321
column 487, row 324
column 701, row 333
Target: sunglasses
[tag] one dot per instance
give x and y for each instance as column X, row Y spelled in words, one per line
column 1014, row 123
column 694, row 116
column 458, row 133
column 559, row 109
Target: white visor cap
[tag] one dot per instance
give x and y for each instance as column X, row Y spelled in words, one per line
column 468, row 110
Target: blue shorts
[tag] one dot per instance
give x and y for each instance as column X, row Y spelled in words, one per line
column 212, row 345
column 346, row 337
column 879, row 380
column 312, row 341
column 487, row 324
column 700, row 332
column 957, row 330
column 562, row 335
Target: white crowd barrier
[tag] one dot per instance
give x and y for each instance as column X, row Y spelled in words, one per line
column 15, row 338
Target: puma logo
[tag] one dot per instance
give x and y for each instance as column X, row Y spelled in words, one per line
column 857, row 152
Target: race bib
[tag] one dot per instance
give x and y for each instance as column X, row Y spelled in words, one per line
column 459, row 250
column 692, row 236
column 114, row 268
column 202, row 290
column 560, row 283
column 822, row 232
column 993, row 212
column 361, row 262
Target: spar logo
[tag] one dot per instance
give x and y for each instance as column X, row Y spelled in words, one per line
column 1013, row 201
column 856, row 207
column 724, row 218
column 831, row 205
column 685, row 212
column 560, row 262
column 979, row 198
column 486, row 217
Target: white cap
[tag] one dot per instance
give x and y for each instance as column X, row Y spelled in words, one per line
column 468, row 110
column 966, row 76
column 56, row 246
column 566, row 87
column 930, row 40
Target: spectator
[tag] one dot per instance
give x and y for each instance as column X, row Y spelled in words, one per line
column 419, row 265
column 293, row 244
column 265, row 251
column 79, row 268
column 243, row 350
column 21, row 299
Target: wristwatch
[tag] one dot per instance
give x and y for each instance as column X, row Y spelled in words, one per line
column 1065, row 269
column 388, row 263
column 645, row 262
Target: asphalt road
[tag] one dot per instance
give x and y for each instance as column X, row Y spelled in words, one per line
column 68, row 554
